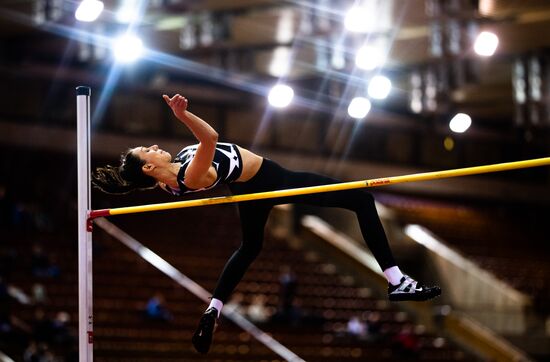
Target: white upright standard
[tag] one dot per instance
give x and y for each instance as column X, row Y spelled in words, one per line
column 85, row 306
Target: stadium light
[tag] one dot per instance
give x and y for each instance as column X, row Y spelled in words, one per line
column 88, row 10
column 128, row 12
column 361, row 19
column 486, row 44
column 127, row 48
column 460, row 123
column 280, row 96
column 359, row 107
column 379, row 87
column 369, row 57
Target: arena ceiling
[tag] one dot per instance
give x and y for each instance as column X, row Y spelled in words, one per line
column 230, row 51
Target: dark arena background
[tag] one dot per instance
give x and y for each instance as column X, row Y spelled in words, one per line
column 354, row 90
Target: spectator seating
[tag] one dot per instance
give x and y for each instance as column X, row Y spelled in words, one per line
column 198, row 242
column 508, row 240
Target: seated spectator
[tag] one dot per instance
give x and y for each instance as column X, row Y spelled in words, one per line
column 23, row 215
column 5, row 307
column 19, row 295
column 7, row 208
column 374, row 326
column 356, row 328
column 406, row 343
column 41, row 264
column 288, row 310
column 38, row 352
column 288, row 285
column 39, row 296
column 42, row 327
column 62, row 335
column 236, row 303
column 8, row 258
column 157, row 310
column 257, row 311
column 10, row 332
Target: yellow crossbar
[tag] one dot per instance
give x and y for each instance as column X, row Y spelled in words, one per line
column 326, row 188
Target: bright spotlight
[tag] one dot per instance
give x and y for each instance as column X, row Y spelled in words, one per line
column 486, row 44
column 359, row 107
column 379, row 87
column 280, row 62
column 369, row 58
column 88, row 10
column 127, row 48
column 460, row 123
column 360, row 19
column 128, row 12
column 280, row 96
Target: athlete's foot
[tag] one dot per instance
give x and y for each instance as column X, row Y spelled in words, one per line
column 202, row 339
column 410, row 289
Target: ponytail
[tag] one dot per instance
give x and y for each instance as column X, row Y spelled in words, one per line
column 125, row 178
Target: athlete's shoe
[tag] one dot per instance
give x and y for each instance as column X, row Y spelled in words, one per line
column 203, row 335
column 410, row 289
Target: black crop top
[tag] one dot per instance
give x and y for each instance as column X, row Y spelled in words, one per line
column 227, row 162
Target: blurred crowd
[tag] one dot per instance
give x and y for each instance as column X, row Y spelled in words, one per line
column 28, row 321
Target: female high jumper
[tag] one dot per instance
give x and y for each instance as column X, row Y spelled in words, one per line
column 210, row 163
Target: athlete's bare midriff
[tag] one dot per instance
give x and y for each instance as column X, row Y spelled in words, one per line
column 251, row 164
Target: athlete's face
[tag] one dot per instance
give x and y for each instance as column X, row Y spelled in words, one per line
column 152, row 155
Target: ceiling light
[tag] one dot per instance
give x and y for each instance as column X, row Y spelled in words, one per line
column 460, row 123
column 280, row 62
column 359, row 107
column 369, row 58
column 379, row 87
column 486, row 44
column 286, row 26
column 280, row 96
column 416, row 105
column 361, row 19
column 337, row 57
column 127, row 48
column 128, row 12
column 88, row 10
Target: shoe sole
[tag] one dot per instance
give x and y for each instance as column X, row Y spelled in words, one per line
column 415, row 297
column 202, row 343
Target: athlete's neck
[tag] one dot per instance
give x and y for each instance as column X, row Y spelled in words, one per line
column 169, row 175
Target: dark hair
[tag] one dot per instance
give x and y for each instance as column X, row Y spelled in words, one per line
column 125, row 178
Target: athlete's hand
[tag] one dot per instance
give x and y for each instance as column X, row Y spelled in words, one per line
column 177, row 103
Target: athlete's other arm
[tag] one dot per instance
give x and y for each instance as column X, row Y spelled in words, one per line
column 198, row 173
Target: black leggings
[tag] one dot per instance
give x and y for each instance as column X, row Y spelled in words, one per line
column 253, row 215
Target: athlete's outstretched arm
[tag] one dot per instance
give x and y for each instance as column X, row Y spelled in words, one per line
column 196, row 175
